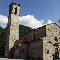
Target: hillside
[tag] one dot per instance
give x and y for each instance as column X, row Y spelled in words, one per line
column 2, row 41
column 24, row 29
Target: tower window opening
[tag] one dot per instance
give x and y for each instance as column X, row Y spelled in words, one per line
column 15, row 11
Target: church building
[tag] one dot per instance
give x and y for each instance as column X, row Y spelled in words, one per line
column 40, row 44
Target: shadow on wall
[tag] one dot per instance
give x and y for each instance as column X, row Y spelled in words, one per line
column 15, row 53
column 15, row 50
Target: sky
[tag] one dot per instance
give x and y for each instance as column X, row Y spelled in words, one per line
column 33, row 13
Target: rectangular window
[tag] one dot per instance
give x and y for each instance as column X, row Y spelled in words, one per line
column 15, row 11
column 47, row 51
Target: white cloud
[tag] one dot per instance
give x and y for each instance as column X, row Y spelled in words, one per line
column 28, row 20
column 3, row 21
column 49, row 21
column 31, row 21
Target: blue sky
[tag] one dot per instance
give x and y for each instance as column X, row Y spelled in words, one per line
column 40, row 9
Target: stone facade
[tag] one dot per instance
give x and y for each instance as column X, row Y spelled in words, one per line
column 32, row 44
column 40, row 44
column 51, row 42
column 12, row 26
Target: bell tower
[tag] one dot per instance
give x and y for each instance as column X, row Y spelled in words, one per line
column 12, row 26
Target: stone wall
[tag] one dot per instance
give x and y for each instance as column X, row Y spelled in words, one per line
column 33, row 44
column 40, row 43
column 52, row 33
column 12, row 27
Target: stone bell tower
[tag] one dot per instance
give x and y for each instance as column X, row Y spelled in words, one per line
column 12, row 26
